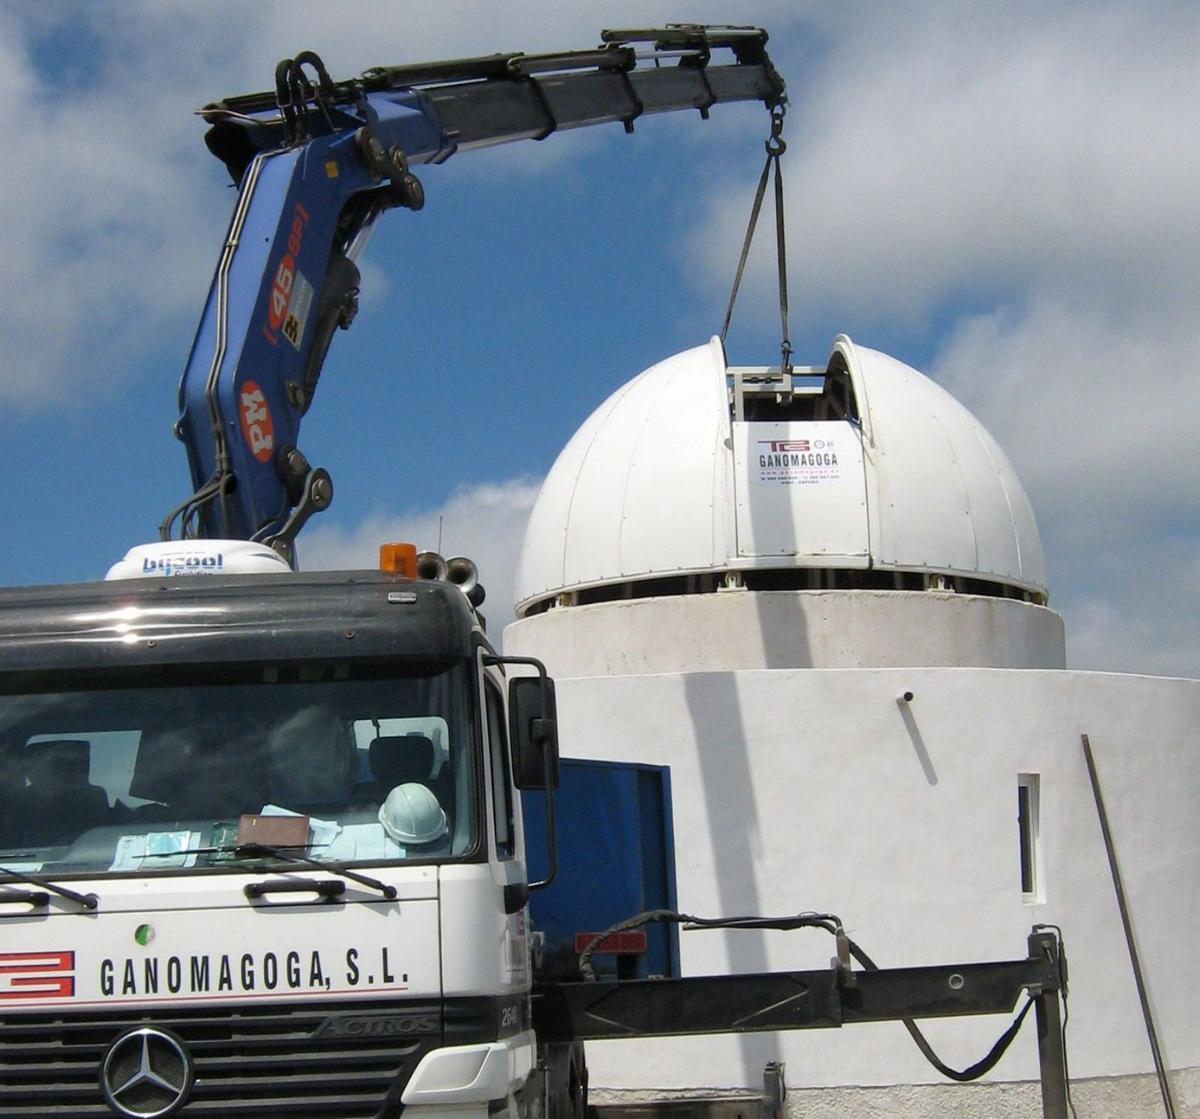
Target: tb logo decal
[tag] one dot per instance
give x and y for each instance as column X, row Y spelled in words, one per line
column 36, row 975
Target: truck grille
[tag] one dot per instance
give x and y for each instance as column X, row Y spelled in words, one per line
column 328, row 1061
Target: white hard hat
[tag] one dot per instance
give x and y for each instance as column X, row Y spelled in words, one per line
column 411, row 814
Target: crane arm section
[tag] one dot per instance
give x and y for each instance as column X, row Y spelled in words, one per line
column 316, row 163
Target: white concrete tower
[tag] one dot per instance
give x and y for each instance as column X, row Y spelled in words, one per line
column 740, row 575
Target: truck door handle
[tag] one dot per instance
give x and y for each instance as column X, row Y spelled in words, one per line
column 327, row 889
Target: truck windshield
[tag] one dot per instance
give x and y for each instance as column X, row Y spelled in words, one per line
column 173, row 768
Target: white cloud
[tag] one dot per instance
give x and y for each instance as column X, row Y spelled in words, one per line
column 484, row 522
column 951, row 151
column 1140, row 612
column 1098, row 417
column 108, row 229
column 1086, row 405
column 112, row 209
column 1013, row 188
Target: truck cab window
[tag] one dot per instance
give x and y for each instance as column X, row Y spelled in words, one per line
column 502, row 797
column 349, row 762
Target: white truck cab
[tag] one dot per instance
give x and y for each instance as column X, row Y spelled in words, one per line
column 260, row 845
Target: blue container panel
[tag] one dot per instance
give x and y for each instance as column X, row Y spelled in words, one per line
column 616, row 858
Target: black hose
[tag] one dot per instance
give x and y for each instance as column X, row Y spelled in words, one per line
column 832, row 924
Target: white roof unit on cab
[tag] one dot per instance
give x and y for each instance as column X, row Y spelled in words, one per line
column 197, row 557
column 864, row 465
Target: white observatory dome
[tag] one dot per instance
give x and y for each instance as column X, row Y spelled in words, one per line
column 860, row 474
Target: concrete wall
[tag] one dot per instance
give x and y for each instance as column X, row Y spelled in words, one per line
column 1116, row 1097
column 800, row 789
column 793, row 629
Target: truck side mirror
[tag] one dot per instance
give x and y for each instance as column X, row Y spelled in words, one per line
column 533, row 732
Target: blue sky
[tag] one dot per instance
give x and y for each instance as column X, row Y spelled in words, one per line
column 1002, row 198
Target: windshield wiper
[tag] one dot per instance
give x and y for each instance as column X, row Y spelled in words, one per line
column 287, row 855
column 88, row 901
column 260, row 850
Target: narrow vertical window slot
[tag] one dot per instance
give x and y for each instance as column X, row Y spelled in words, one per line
column 1029, row 829
column 501, row 779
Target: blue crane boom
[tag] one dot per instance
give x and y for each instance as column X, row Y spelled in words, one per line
column 316, row 163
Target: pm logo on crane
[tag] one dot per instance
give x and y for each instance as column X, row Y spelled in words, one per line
column 257, row 427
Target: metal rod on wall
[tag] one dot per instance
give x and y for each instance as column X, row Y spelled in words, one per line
column 1164, row 1083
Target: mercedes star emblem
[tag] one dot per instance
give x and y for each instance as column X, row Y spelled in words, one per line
column 146, row 1074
